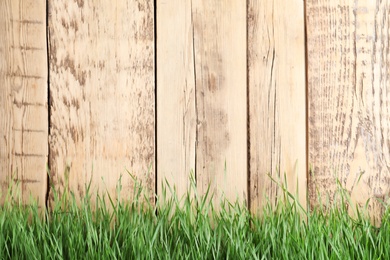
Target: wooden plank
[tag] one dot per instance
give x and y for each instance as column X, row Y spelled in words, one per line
column 348, row 68
column 176, row 114
column 23, row 98
column 220, row 83
column 102, row 95
column 277, row 117
column 201, row 100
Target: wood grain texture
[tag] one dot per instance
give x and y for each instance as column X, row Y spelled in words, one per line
column 220, row 83
column 23, row 98
column 276, row 95
column 176, row 113
column 102, row 95
column 348, row 68
column 201, row 100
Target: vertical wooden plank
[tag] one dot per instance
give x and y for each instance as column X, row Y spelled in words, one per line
column 176, row 114
column 23, row 98
column 277, row 106
column 102, row 95
column 201, row 75
column 348, row 68
column 220, row 83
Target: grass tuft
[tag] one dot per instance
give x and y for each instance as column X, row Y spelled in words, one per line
column 187, row 228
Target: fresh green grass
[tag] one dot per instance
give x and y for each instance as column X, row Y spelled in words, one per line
column 187, row 229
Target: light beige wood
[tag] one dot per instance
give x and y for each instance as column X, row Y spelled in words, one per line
column 102, row 95
column 23, row 98
column 201, row 100
column 176, row 114
column 348, row 46
column 220, row 83
column 276, row 95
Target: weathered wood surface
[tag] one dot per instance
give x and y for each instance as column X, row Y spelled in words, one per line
column 276, row 96
column 348, row 68
column 23, row 98
column 101, row 95
column 220, row 83
column 176, row 112
column 202, row 95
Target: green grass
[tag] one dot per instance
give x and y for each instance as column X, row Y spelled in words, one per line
column 193, row 230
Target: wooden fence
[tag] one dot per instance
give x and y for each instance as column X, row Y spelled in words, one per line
column 231, row 90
